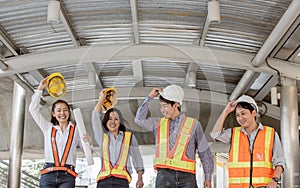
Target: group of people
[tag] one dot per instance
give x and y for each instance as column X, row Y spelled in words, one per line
column 255, row 156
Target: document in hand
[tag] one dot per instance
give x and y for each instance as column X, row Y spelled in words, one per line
column 86, row 147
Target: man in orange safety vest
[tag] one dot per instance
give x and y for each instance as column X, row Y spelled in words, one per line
column 255, row 156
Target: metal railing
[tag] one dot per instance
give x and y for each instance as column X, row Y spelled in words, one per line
column 27, row 180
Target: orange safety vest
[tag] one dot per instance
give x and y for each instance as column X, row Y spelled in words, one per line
column 176, row 158
column 246, row 168
column 61, row 165
column 119, row 170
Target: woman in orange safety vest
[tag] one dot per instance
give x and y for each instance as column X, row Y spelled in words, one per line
column 256, row 156
column 117, row 148
column 61, row 138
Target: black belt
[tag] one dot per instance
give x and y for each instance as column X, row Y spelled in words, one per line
column 173, row 171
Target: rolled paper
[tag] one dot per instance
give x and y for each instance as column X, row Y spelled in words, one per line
column 86, row 147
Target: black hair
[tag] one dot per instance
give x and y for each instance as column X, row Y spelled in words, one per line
column 106, row 119
column 53, row 119
column 162, row 99
column 245, row 105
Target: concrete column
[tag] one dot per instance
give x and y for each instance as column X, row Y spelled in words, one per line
column 16, row 136
column 290, row 132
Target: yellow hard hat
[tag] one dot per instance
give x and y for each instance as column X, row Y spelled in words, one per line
column 57, row 86
column 111, row 98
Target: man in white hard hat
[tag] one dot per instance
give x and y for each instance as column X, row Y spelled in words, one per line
column 255, row 157
column 177, row 138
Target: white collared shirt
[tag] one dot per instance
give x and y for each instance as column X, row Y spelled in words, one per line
column 61, row 137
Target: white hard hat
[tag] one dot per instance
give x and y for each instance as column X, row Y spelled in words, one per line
column 173, row 93
column 248, row 99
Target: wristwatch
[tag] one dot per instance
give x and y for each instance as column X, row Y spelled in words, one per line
column 275, row 179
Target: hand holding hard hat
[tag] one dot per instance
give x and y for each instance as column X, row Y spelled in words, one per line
column 230, row 107
column 155, row 92
column 248, row 99
column 43, row 84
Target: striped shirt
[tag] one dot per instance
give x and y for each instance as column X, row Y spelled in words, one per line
column 197, row 141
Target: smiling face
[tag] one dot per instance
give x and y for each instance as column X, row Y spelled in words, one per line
column 113, row 122
column 61, row 113
column 169, row 111
column 244, row 117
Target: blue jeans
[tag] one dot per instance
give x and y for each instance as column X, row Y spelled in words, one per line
column 57, row 179
column 167, row 178
column 113, row 182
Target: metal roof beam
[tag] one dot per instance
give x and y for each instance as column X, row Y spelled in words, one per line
column 135, row 21
column 213, row 16
column 278, row 32
column 191, row 75
column 92, row 72
column 20, row 80
column 139, row 93
column 138, row 72
column 8, row 42
column 243, row 85
column 37, row 75
column 120, row 52
column 10, row 45
column 266, row 88
column 288, row 43
column 67, row 23
column 204, row 32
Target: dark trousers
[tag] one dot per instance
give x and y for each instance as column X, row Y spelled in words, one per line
column 57, row 179
column 113, row 182
column 167, row 178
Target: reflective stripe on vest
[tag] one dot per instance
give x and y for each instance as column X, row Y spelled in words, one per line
column 176, row 158
column 61, row 165
column 119, row 170
column 239, row 167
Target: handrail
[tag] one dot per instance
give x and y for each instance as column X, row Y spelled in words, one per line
column 25, row 181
